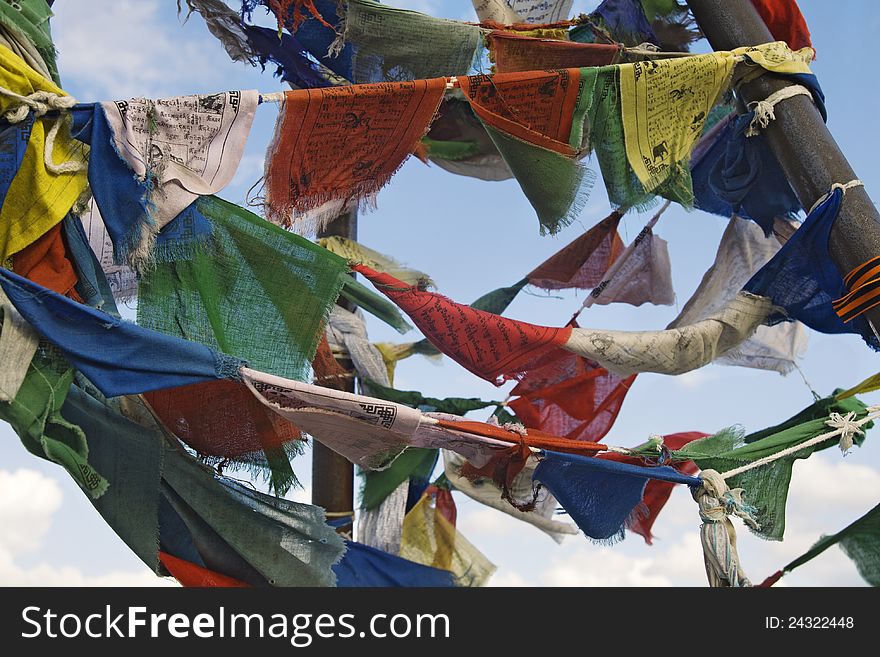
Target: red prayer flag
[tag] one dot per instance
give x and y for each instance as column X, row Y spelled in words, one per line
column 494, row 348
column 515, row 52
column 191, row 575
column 45, row 262
column 582, row 263
column 785, row 22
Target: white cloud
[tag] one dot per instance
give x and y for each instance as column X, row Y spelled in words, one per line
column 122, row 50
column 28, row 502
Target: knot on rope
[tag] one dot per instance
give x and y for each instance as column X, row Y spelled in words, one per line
column 38, row 102
column 717, row 534
column 841, row 186
column 764, row 109
column 516, row 427
column 848, row 426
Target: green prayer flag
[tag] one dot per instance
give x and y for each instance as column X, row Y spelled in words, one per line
column 35, row 415
column 415, row 399
column 254, row 290
column 766, row 487
column 416, row 462
column 30, row 19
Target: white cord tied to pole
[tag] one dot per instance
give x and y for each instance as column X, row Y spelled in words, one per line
column 848, row 426
column 764, row 109
column 41, row 102
column 841, row 186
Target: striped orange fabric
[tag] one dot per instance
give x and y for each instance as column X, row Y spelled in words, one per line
column 863, row 284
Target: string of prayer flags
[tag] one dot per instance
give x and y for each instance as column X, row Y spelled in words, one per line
column 490, row 346
column 512, row 52
column 673, row 351
column 255, row 290
column 657, row 491
column 583, row 262
column 46, row 184
column 521, row 490
column 766, row 487
column 742, row 251
column 600, row 495
column 364, row 566
column 118, row 357
column 335, row 147
column 228, row 427
column 534, row 120
column 24, row 29
column 390, row 44
column 785, row 22
column 510, row 12
column 860, row 541
column 802, row 280
column 570, row 396
column 357, row 252
column 430, row 539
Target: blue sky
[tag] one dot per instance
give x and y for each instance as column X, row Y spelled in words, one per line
column 473, row 236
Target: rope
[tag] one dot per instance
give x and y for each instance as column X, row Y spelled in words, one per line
column 41, row 102
column 844, row 426
column 764, row 112
column 841, row 186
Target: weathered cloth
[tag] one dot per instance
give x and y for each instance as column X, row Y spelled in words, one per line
column 189, row 574
column 490, row 346
column 33, row 408
column 533, row 118
column 415, row 399
column 582, row 263
column 599, row 494
column 228, row 427
column 37, row 198
column 860, row 541
column 334, row 147
column 356, row 252
column 717, row 534
column 486, row 491
column 785, row 22
column 766, row 487
column 673, row 351
column 430, row 539
column 28, row 22
column 641, row 274
column 91, row 285
column 178, row 149
column 570, row 396
column 347, row 333
column 46, row 262
column 390, row 44
column 118, row 357
column 254, row 290
column 666, row 103
column 375, row 304
column 513, row 52
column 657, row 492
column 369, row 432
column 18, row 344
column 510, row 12
column 802, row 281
column 742, row 251
column 364, row 566
column 381, row 527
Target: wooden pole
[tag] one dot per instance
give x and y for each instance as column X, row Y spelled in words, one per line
column 333, row 474
column 806, row 150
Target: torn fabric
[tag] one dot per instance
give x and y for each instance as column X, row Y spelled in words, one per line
column 335, row 147
column 785, row 22
column 582, row 263
column 393, row 45
column 118, row 357
column 430, row 539
column 510, row 12
column 490, row 346
column 178, row 148
column 356, row 252
column 802, row 281
column 484, row 490
column 364, row 566
column 742, row 251
column 381, row 526
column 37, row 197
column 46, row 262
column 766, row 487
column 513, row 52
column 600, row 495
column 254, row 290
column 673, row 351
